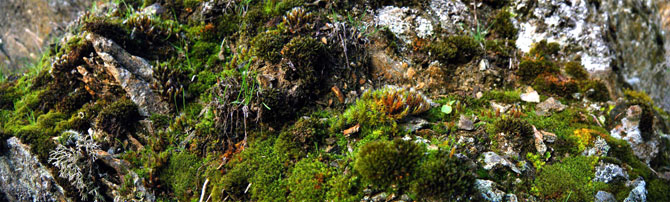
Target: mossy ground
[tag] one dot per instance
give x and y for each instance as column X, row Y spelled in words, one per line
column 287, row 139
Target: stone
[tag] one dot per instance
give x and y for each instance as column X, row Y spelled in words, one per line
column 488, row 191
column 413, row 124
column 483, row 65
column 539, row 141
column 548, row 137
column 465, row 123
column 499, row 107
column 639, row 192
column 545, row 108
column 24, row 178
column 607, row 172
column 511, row 198
column 530, row 97
column 600, row 148
column 491, row 160
column 133, row 73
column 603, row 196
column 629, row 130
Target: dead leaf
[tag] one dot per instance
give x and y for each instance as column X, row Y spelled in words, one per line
column 338, row 93
column 351, row 130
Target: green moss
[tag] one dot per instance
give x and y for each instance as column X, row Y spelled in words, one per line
column 621, row 150
column 386, row 163
column 204, row 80
column 658, row 190
column 308, row 180
column 502, row 25
column 442, row 177
column 545, row 49
column 514, row 127
column 550, row 84
column 504, row 49
column 7, row 96
column 118, row 118
column 595, row 90
column 203, row 55
column 529, row 69
column 345, row 187
column 268, row 45
column 638, row 97
column 181, row 174
column 576, row 70
column 305, row 54
column 300, row 138
column 570, row 179
column 455, row 49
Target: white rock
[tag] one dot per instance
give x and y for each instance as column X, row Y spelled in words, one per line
column 530, row 97
column 488, row 191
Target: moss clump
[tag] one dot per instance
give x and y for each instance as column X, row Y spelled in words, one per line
column 570, row 179
column 308, row 180
column 595, row 90
column 345, row 187
column 658, row 190
column 545, row 49
column 300, row 138
column 531, row 68
column 514, row 127
column 7, row 96
column 383, row 163
column 455, row 49
column 303, row 55
column 118, row 118
column 576, row 70
column 181, row 174
column 268, row 45
column 548, row 83
column 502, row 25
column 382, row 107
column 638, row 98
column 441, row 177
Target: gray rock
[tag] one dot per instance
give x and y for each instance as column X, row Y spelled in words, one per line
column 545, row 108
column 499, row 107
column 133, row 73
column 414, row 123
column 511, row 198
column 607, row 172
column 603, row 196
column 491, row 160
column 639, row 192
column 465, row 123
column 600, row 148
column 629, row 130
column 539, row 141
column 488, row 191
column 531, row 96
column 24, row 178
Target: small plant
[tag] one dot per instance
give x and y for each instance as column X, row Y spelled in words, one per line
column 576, row 70
column 502, row 25
column 455, row 49
column 296, row 19
column 443, row 177
column 386, row 163
column 75, row 159
column 118, row 118
column 398, row 102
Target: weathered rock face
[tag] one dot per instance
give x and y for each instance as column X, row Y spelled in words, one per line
column 26, row 26
column 629, row 130
column 133, row 73
column 24, row 178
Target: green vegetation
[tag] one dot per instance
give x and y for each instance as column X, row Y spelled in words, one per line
column 386, row 163
column 443, row 177
column 502, row 25
column 455, row 49
column 118, row 118
column 568, row 180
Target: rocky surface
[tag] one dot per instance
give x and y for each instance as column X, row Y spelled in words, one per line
column 28, row 26
column 24, row 178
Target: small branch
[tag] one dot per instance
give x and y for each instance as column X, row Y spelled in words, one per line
column 204, row 190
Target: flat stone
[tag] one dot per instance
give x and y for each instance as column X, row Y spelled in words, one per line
column 607, row 172
column 465, row 123
column 498, row 107
column 491, row 160
column 603, row 196
column 530, row 97
column 545, row 108
column 488, row 191
column 414, row 123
